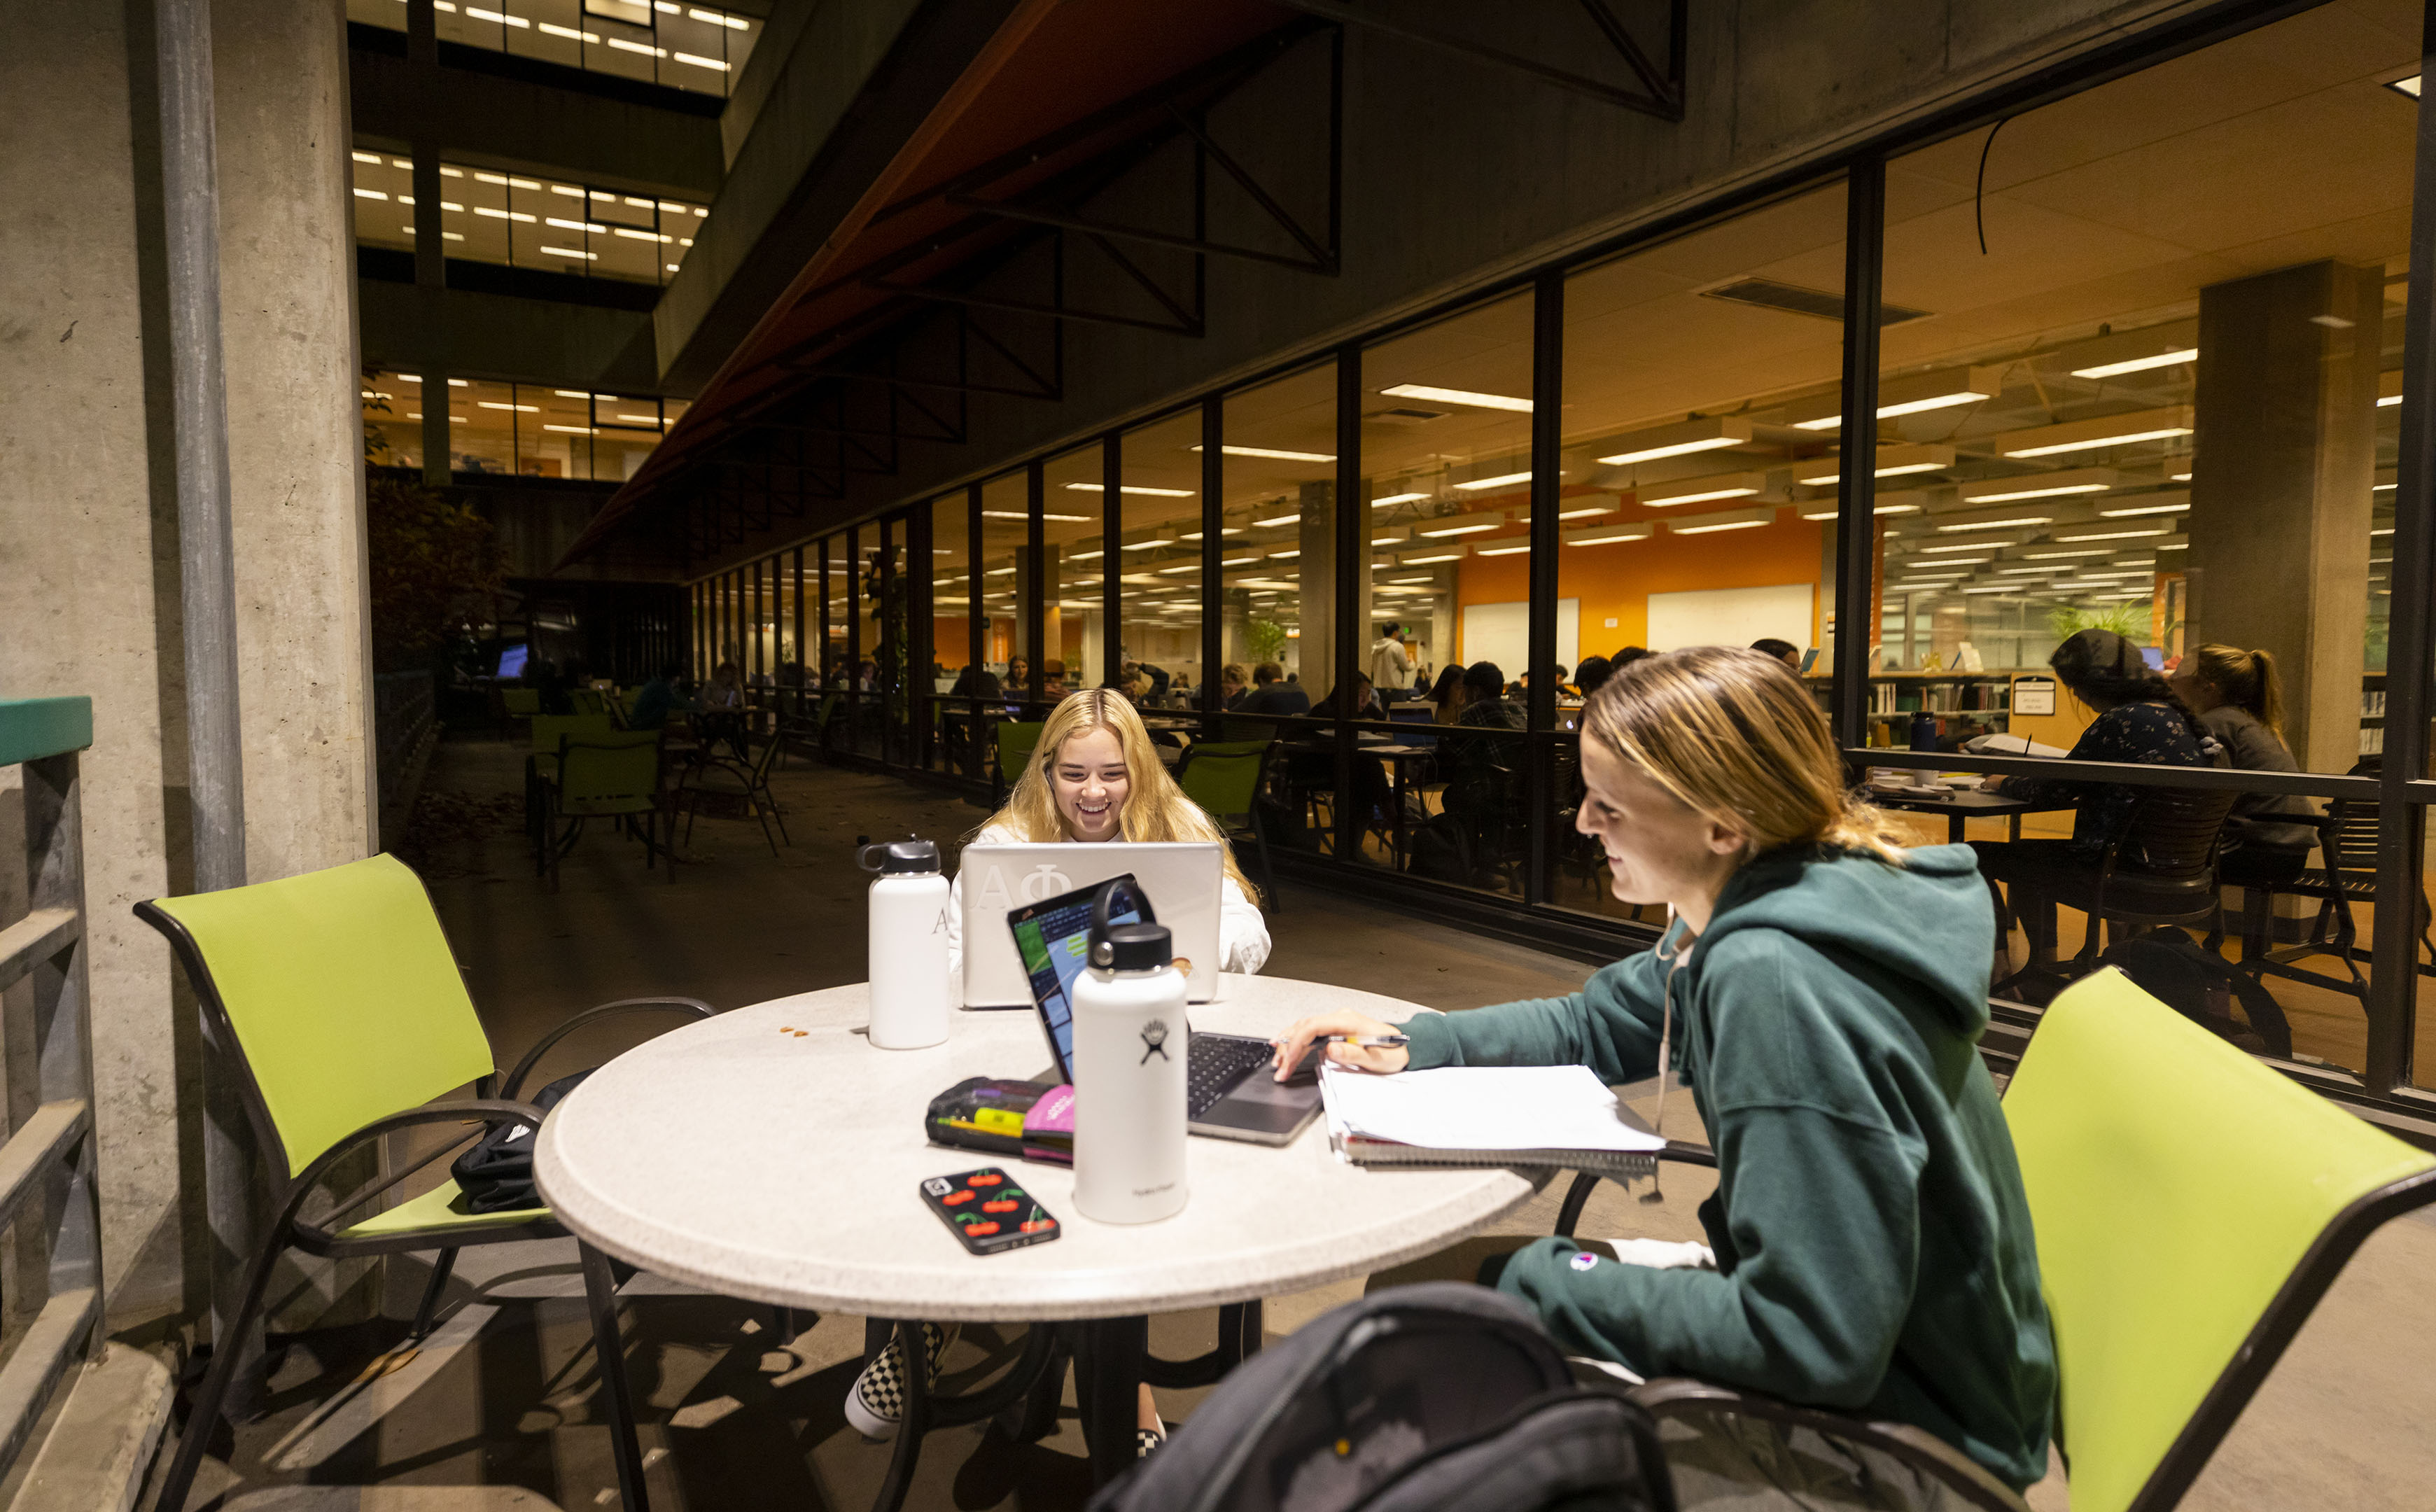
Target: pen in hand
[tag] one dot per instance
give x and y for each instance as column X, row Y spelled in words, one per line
column 1366, row 1042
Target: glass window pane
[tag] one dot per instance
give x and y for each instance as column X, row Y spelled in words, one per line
column 1160, row 562
column 1673, row 527
column 1278, row 551
column 384, row 197
column 1072, row 521
column 1447, row 466
column 996, row 574
column 393, row 409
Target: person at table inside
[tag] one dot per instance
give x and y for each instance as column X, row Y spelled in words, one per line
column 1783, row 650
column 1234, row 685
column 2139, row 720
column 1592, row 673
column 658, row 698
column 1366, row 699
column 1272, row 694
column 2239, row 700
column 1821, row 991
column 1446, row 695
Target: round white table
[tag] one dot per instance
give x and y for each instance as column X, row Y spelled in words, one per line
column 772, row 1154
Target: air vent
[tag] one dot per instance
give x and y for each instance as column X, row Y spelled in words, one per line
column 1795, row 299
column 1404, row 415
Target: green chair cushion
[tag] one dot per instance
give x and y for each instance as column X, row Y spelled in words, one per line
column 442, row 1207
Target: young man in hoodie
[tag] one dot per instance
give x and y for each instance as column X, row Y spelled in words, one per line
column 1823, row 992
column 1391, row 662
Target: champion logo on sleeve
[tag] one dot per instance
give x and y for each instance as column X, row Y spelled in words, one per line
column 1583, row 1259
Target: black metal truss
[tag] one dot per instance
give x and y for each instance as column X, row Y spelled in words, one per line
column 1660, row 95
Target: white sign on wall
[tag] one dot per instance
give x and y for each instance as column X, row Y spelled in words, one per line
column 1501, row 633
column 1731, row 617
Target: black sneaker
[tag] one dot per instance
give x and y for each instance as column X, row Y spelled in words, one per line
column 876, row 1404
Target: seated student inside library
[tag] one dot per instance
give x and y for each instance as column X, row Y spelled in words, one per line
column 1869, row 1244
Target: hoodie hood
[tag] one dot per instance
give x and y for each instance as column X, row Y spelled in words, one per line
column 1928, row 921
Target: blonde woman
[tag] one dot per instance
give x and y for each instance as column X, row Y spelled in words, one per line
column 1823, row 992
column 1095, row 777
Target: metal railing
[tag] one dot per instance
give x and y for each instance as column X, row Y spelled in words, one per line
column 47, row 1175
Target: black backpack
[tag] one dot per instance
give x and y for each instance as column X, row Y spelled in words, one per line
column 497, row 1175
column 1437, row 1398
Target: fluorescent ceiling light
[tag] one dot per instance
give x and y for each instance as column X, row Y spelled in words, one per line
column 490, row 403
column 570, row 252
column 568, row 32
column 1143, row 546
column 1501, row 481
column 370, row 194
column 2178, row 478
column 2021, row 572
column 2048, row 556
column 365, row 157
column 2013, row 524
column 1707, row 496
column 1917, row 394
column 1129, row 488
column 1458, row 396
column 1273, row 453
column 718, row 19
column 2038, row 485
column 1954, row 562
column 1679, row 440
column 2136, row 504
column 2115, row 370
column 2091, row 435
column 699, row 61
column 2118, row 536
column 1190, row 566
column 644, row 420
column 1280, row 519
column 1397, row 499
column 1462, row 529
column 1963, row 546
column 1829, row 511
column 1582, row 515
column 1449, row 556
column 1092, row 555
column 1501, row 550
column 574, row 225
column 1724, row 520
column 625, row 47
column 2389, row 401
column 2002, row 588
column 1893, row 462
column 573, row 430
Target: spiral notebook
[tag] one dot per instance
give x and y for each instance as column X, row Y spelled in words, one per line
column 1486, row 1116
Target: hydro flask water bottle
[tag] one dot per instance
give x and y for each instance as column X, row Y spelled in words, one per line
column 1129, row 1044
column 909, row 944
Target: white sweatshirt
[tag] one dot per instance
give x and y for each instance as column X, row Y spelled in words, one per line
column 1242, row 934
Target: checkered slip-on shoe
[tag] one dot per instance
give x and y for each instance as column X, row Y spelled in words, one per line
column 1147, row 1439
column 876, row 1404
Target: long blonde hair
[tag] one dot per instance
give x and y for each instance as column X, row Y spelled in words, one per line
column 1733, row 734
column 2246, row 680
column 1156, row 808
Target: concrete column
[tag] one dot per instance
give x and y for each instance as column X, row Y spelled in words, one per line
column 88, row 525
column 2285, row 461
column 1317, row 532
column 1235, row 619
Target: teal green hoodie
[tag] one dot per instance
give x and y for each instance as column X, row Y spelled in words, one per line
column 1873, row 1245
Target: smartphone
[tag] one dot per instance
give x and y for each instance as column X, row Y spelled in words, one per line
column 988, row 1210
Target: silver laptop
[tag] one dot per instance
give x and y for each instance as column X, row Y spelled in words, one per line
column 1181, row 878
column 1230, row 1092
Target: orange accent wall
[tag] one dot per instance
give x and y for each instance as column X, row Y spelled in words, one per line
column 1614, row 581
column 950, row 641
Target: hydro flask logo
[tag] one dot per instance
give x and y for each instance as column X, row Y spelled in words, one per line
column 1154, row 1038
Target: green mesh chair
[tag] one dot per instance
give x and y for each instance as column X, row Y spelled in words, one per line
column 343, row 1000
column 613, row 776
column 1017, row 739
column 550, row 731
column 517, row 703
column 1225, row 777
column 2191, row 1208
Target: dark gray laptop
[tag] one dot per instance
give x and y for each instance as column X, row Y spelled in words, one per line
column 1229, row 1093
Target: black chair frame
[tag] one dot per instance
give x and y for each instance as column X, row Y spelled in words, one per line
column 2179, row 830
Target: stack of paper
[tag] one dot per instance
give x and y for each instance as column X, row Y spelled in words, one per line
column 1484, row 1115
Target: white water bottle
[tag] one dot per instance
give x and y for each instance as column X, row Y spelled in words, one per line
column 909, row 944
column 1129, row 1050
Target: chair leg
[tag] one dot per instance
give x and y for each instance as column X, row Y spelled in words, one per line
column 205, row 1410
column 431, row 1289
column 772, row 800
column 600, row 1296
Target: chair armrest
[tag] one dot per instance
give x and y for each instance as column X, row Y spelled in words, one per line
column 1578, row 1196
column 515, row 1081
column 490, row 1110
column 1680, row 1397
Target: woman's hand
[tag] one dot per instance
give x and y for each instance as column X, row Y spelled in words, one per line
column 1295, row 1040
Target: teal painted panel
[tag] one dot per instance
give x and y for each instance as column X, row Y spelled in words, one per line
column 32, row 729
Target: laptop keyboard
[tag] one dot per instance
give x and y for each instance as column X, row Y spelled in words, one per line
column 1213, row 1065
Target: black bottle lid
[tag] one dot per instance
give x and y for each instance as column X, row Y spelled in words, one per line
column 1133, row 948
column 899, row 856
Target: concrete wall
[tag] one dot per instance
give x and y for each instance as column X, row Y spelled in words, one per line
column 1458, row 174
column 88, row 518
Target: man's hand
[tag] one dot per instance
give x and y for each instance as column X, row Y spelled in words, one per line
column 1295, row 1040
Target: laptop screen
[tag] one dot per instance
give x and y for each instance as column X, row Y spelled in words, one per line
column 1053, row 940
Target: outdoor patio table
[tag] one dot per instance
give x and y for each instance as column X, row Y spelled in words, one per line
column 772, row 1154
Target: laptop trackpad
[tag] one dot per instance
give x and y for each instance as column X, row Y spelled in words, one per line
column 1258, row 1103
